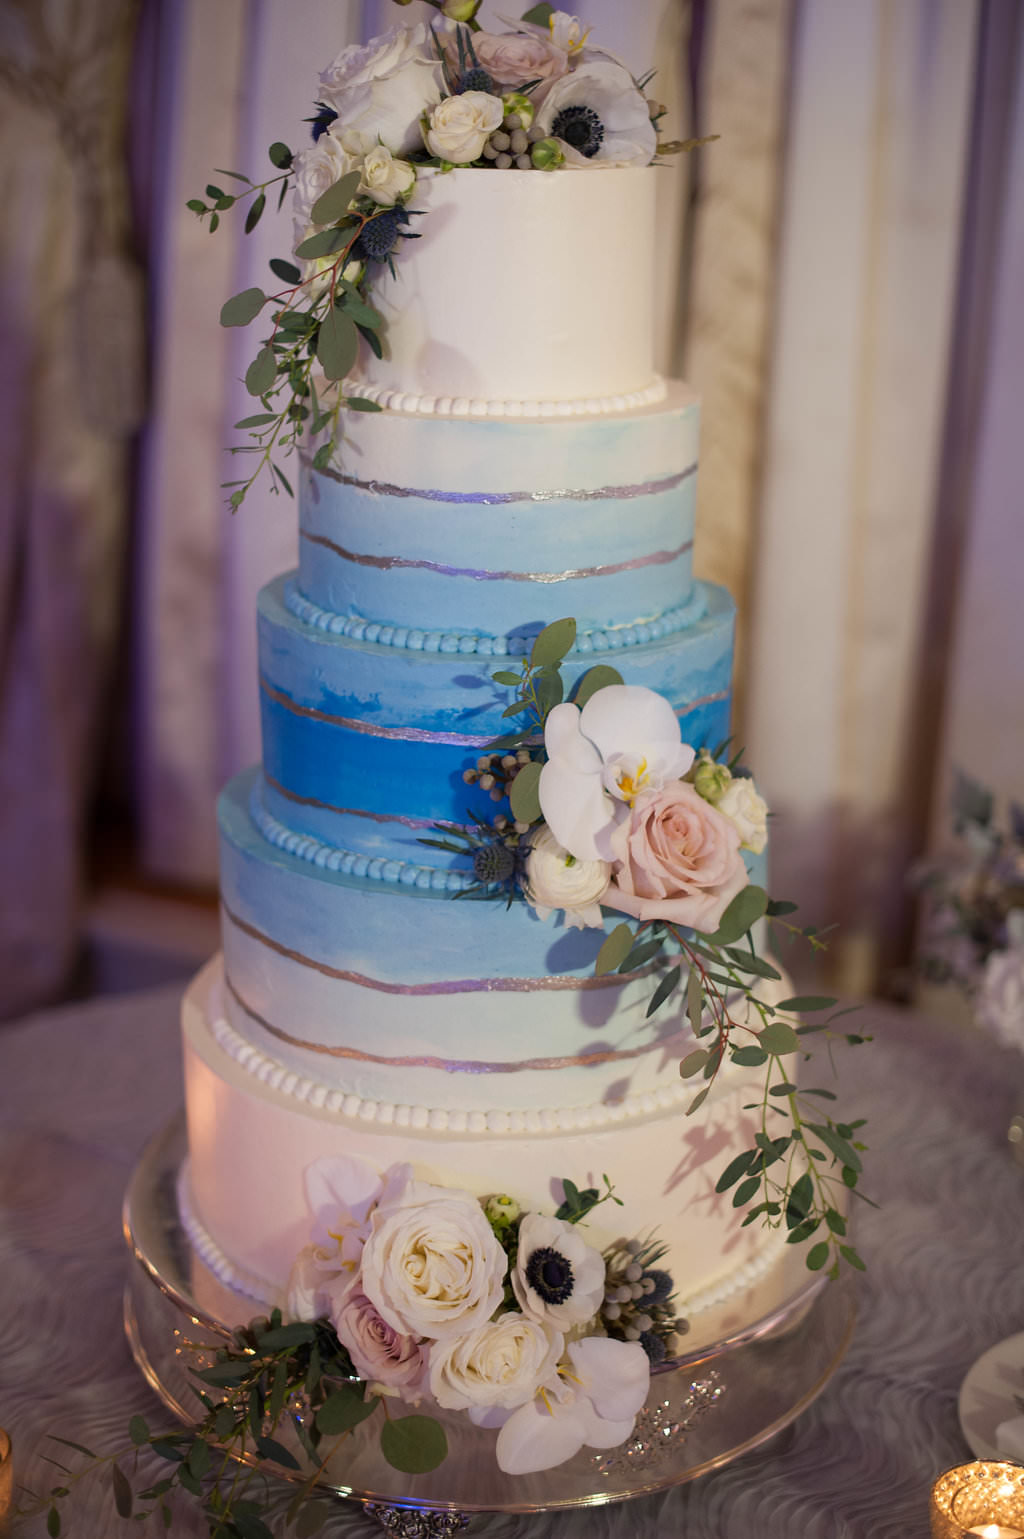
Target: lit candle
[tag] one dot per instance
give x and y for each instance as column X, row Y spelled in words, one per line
column 995, row 1531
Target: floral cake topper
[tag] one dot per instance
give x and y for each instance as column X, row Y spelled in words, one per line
column 417, row 101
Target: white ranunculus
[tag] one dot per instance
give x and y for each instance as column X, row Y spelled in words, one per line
column 625, row 741
column 594, row 1402
column 380, row 90
column 316, row 169
column 558, row 1278
column 747, row 811
column 1000, row 1002
column 385, row 179
column 598, row 116
column 501, row 1363
column 461, row 125
column 555, row 879
column 432, row 1266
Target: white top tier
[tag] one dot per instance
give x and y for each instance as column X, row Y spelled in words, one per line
column 525, row 287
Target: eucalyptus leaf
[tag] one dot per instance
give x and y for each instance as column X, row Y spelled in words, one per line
column 362, row 313
column 512, row 680
column 598, row 677
column 413, row 1444
column 807, row 1002
column 262, row 372
column 778, row 1037
column 280, row 155
column 643, row 952
column 778, row 906
column 746, row 1189
column 286, row 271
column 749, row 904
column 817, row 1256
column 53, row 1523
column 250, row 1526
column 844, row 1151
column 524, row 794
column 693, row 1063
column 547, row 687
column 270, row 1448
column 694, row 1000
column 333, row 204
column 539, row 15
column 749, row 1057
column 666, row 988
column 256, row 208
column 242, row 308
column 323, row 243
column 849, row 1254
column 614, row 950
column 746, row 962
column 553, row 643
column 697, row 1101
column 343, row 1409
column 801, row 1200
column 122, row 1491
column 337, row 344
column 735, row 1169
column 138, row 1430
column 258, row 419
column 199, row 1458
column 362, row 403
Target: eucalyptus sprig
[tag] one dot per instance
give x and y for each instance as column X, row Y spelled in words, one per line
column 801, row 1174
column 270, row 1379
column 317, row 319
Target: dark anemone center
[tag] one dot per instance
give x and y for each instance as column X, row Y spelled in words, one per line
column 550, row 1275
column 581, row 127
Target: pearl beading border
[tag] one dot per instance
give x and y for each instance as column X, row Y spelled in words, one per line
column 415, row 404
column 277, row 1076
column 331, row 857
column 414, row 639
column 209, row 1252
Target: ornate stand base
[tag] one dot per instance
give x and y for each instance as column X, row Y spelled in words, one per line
column 750, row 1368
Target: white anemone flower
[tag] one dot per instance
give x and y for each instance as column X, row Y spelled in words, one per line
column 593, row 1401
column 624, row 742
column 558, row 1278
column 598, row 116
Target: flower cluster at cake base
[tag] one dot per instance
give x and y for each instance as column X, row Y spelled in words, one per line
column 443, row 1300
column 417, row 101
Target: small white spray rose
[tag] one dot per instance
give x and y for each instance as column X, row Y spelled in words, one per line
column 385, row 179
column 555, row 879
column 316, row 169
column 501, row 1363
column 747, row 811
column 460, row 126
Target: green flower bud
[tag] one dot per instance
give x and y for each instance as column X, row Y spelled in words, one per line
column 520, row 106
column 710, row 780
column 501, row 1209
column 547, row 155
column 459, row 10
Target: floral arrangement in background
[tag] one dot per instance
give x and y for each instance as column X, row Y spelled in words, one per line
column 417, row 101
column 973, row 935
column 608, row 809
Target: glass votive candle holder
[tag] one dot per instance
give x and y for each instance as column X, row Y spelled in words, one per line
column 983, row 1499
column 6, row 1483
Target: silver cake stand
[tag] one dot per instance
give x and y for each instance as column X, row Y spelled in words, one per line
column 750, row 1367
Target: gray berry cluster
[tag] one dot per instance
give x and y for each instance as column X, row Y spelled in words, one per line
column 638, row 1298
column 509, row 145
column 494, row 773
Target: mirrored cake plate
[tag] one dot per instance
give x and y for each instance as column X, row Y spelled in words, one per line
column 750, row 1366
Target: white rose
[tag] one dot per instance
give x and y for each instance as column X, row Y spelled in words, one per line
column 461, row 125
column 747, row 811
column 384, row 178
column 432, row 1266
column 558, row 1278
column 502, row 1363
column 316, row 169
column 556, row 879
column 380, row 91
column 1001, row 997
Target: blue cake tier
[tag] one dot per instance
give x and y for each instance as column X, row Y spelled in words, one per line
column 474, row 527
column 365, row 743
column 386, row 986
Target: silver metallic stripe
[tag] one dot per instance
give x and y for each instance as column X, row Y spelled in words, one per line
column 449, row 986
column 417, row 734
column 350, row 812
column 353, row 724
column 498, row 499
column 392, row 563
column 453, row 1065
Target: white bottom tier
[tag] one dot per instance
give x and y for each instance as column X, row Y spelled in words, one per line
column 243, row 1196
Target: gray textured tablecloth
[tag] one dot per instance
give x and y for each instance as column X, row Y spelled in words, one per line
column 83, row 1088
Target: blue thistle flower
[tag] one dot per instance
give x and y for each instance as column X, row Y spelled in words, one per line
column 654, row 1346
column 475, row 79
column 325, row 116
column 379, row 236
column 493, row 863
column 663, row 1287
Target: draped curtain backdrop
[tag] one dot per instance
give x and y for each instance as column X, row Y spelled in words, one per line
column 815, row 268
column 71, row 343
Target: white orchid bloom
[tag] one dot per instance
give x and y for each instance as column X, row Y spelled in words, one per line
column 341, row 1191
column 624, row 742
column 593, row 1401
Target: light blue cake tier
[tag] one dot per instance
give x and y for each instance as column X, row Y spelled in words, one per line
column 365, row 743
column 397, row 991
column 491, row 527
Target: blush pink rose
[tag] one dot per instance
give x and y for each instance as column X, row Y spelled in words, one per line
column 513, row 58
column 677, row 859
column 380, row 1354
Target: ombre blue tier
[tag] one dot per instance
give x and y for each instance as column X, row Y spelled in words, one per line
column 364, row 745
column 503, row 525
column 396, row 992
